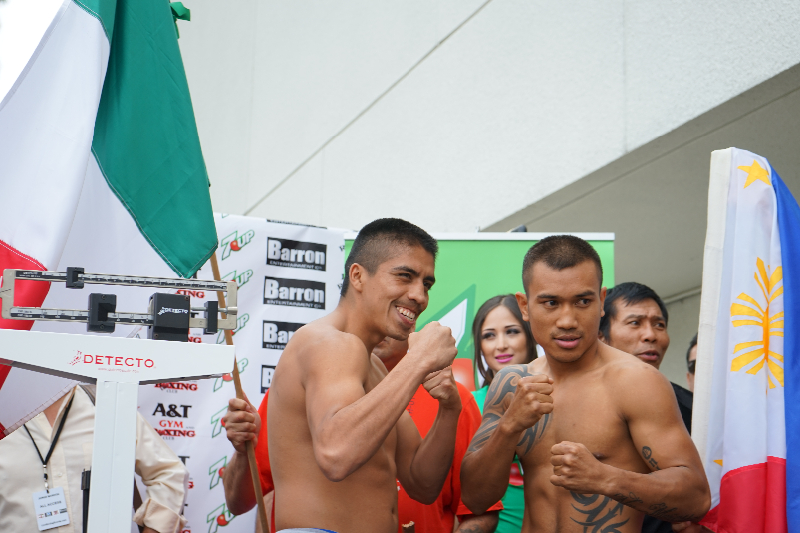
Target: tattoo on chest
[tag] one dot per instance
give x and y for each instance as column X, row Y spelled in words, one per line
column 599, row 514
column 503, row 388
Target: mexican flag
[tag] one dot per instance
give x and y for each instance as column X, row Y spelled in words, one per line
column 100, row 168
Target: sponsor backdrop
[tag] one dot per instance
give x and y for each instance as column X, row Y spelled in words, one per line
column 288, row 275
column 473, row 267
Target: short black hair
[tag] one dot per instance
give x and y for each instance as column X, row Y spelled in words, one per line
column 629, row 292
column 559, row 252
column 376, row 241
column 692, row 344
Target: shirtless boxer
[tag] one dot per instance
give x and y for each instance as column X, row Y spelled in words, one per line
column 339, row 435
column 598, row 432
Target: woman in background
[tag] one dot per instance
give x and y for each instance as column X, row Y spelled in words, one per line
column 501, row 338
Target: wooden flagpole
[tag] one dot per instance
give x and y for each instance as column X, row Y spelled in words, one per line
column 237, row 382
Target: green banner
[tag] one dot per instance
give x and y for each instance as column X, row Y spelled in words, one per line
column 472, row 268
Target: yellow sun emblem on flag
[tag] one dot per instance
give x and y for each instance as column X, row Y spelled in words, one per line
column 771, row 326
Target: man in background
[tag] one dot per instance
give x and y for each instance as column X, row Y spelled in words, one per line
column 635, row 322
column 439, row 517
column 21, row 468
column 691, row 359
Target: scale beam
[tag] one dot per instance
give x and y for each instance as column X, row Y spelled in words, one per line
column 75, row 278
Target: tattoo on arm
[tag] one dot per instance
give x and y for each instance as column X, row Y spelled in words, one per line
column 630, row 499
column 647, row 453
column 598, row 513
column 503, row 388
column 485, row 523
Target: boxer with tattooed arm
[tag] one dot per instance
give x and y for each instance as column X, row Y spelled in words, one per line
column 598, row 432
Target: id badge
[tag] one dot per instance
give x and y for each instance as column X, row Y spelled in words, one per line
column 50, row 508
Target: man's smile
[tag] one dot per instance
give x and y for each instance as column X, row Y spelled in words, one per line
column 408, row 316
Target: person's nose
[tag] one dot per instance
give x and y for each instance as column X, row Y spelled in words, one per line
column 648, row 333
column 417, row 294
column 502, row 343
column 566, row 318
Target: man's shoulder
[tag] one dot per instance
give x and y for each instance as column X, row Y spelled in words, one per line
column 631, row 379
column 321, row 338
column 621, row 365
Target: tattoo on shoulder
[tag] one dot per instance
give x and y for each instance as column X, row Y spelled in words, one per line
column 599, row 514
column 503, row 387
column 647, row 453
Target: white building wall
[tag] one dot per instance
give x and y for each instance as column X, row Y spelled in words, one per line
column 455, row 113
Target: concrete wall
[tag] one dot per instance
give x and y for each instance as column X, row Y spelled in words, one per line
column 683, row 321
column 454, row 114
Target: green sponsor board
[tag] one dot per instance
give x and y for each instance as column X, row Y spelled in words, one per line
column 473, row 267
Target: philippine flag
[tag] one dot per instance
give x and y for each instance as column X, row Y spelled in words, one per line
column 100, row 168
column 746, row 421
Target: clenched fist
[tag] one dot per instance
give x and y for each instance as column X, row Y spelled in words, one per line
column 433, row 346
column 442, row 386
column 576, row 469
column 242, row 423
column 531, row 401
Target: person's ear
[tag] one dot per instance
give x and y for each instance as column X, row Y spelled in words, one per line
column 357, row 275
column 522, row 302
column 603, row 292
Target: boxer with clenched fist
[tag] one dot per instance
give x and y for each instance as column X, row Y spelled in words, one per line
column 598, row 432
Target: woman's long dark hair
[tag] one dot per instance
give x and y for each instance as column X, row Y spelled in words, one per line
column 510, row 303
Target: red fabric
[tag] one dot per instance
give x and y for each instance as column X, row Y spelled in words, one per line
column 4, row 370
column 26, row 293
column 262, row 459
column 464, row 373
column 439, row 516
column 435, row 518
column 752, row 500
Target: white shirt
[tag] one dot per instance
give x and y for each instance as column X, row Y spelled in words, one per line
column 21, row 471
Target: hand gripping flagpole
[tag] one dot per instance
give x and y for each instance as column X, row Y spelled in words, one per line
column 237, row 382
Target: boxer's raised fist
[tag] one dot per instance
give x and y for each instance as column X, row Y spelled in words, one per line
column 433, row 346
column 441, row 385
column 531, row 401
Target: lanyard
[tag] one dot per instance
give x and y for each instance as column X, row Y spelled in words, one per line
column 45, row 460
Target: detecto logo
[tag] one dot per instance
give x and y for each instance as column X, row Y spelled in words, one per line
column 276, row 335
column 171, row 310
column 235, row 242
column 296, row 254
column 294, row 293
column 111, row 361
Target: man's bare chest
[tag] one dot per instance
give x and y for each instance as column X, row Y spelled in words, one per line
column 585, row 415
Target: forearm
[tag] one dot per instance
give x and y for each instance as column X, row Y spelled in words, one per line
column 349, row 438
column 485, row 523
column 484, row 472
column 673, row 494
column 238, row 483
column 434, row 457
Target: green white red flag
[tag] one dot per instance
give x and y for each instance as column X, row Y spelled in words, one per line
column 100, row 168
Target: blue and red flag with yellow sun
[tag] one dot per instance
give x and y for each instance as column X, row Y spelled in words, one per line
column 746, row 421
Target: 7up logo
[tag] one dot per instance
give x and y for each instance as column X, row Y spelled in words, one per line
column 235, row 242
column 240, row 279
column 219, row 517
